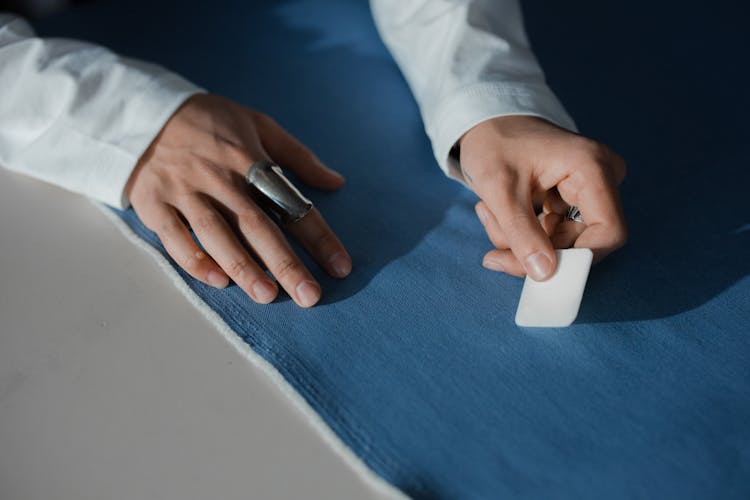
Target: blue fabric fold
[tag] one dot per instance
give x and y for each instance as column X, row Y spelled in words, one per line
column 414, row 360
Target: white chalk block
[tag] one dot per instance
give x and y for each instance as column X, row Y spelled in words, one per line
column 555, row 302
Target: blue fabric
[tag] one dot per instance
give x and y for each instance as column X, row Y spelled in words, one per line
column 414, row 361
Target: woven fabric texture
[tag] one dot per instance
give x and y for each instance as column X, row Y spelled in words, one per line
column 414, row 361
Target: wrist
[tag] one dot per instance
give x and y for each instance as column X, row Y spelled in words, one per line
column 501, row 127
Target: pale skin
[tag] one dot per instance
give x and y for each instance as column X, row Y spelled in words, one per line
column 192, row 177
column 517, row 163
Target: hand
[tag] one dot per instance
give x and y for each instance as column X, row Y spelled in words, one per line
column 515, row 163
column 194, row 172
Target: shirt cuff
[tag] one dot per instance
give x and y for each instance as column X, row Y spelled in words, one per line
column 480, row 102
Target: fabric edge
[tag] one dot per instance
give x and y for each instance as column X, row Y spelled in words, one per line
column 311, row 416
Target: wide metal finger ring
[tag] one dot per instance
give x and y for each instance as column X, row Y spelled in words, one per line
column 574, row 214
column 274, row 191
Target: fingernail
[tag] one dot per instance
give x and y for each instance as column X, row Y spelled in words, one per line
column 538, row 266
column 308, row 293
column 217, row 280
column 492, row 264
column 481, row 214
column 264, row 291
column 340, row 264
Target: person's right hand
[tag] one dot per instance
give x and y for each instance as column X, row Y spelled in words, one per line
column 515, row 162
column 194, row 173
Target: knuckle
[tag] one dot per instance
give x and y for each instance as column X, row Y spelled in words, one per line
column 520, row 218
column 497, row 174
column 506, row 176
column 154, row 195
column 520, row 230
column 144, row 196
column 286, row 267
column 588, row 151
column 593, row 148
column 589, row 172
column 212, row 170
column 168, row 227
column 193, row 262
column 180, row 190
column 239, row 154
column 619, row 237
column 184, row 186
column 253, row 219
column 500, row 184
column 261, row 118
column 205, row 222
column 519, row 222
column 239, row 269
column 150, row 189
column 600, row 162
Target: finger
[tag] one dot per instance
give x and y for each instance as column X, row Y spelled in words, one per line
column 292, row 154
column 510, row 202
column 216, row 237
column 563, row 235
column 566, row 233
column 553, row 202
column 503, row 260
column 561, row 230
column 618, row 167
column 491, row 227
column 179, row 244
column 269, row 244
column 549, row 222
column 592, row 189
column 321, row 242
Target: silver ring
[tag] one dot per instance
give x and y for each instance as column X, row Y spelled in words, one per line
column 574, row 214
column 274, row 191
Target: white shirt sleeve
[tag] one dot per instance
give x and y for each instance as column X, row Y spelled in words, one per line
column 76, row 114
column 466, row 61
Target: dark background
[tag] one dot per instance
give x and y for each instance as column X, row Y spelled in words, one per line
column 665, row 84
column 37, row 8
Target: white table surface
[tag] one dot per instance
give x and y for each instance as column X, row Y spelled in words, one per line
column 112, row 386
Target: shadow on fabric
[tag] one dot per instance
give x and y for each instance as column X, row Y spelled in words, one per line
column 299, row 83
column 646, row 90
column 663, row 86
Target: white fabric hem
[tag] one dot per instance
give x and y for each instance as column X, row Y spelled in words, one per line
column 323, row 430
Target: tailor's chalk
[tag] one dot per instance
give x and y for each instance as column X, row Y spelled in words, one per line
column 555, row 302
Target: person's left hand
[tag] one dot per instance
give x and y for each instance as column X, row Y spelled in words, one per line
column 193, row 175
column 515, row 163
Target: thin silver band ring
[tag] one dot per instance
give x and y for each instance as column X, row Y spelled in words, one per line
column 574, row 214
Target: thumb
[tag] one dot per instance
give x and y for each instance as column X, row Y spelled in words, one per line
column 523, row 232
